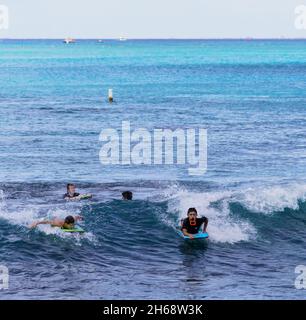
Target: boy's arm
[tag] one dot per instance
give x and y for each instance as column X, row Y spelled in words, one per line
column 35, row 224
column 53, row 223
column 187, row 234
column 205, row 224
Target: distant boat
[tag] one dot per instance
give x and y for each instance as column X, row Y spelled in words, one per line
column 69, row 40
column 122, row 39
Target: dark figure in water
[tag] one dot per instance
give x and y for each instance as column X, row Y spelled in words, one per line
column 191, row 225
column 127, row 195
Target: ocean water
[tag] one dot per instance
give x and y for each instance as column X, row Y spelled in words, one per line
column 249, row 95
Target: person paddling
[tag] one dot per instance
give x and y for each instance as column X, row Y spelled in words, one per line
column 67, row 223
column 192, row 224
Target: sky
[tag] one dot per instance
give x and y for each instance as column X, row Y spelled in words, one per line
column 152, row 19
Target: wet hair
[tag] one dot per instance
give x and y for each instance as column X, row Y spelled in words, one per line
column 69, row 219
column 192, row 210
column 127, row 195
column 70, row 185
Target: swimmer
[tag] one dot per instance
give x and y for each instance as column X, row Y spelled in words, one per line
column 67, row 223
column 191, row 225
column 127, row 195
column 73, row 195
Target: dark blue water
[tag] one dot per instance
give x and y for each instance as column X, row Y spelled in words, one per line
column 249, row 95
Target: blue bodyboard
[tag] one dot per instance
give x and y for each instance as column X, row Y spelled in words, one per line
column 199, row 235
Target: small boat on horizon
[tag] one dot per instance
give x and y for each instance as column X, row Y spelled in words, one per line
column 69, row 40
column 122, row 39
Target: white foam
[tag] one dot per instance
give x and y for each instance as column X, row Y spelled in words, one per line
column 26, row 215
column 274, row 198
column 23, row 217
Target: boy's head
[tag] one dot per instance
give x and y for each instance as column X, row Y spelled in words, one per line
column 71, row 188
column 192, row 213
column 69, row 222
column 127, row 195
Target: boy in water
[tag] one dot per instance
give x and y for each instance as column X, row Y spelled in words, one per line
column 191, row 225
column 127, row 195
column 67, row 223
column 72, row 195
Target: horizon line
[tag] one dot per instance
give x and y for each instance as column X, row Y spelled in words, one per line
column 170, row 38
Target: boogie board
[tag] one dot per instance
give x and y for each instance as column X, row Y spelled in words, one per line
column 85, row 196
column 199, row 235
column 77, row 229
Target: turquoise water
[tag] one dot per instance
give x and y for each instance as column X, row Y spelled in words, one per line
column 249, row 95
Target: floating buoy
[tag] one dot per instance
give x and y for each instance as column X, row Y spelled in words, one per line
column 110, row 95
